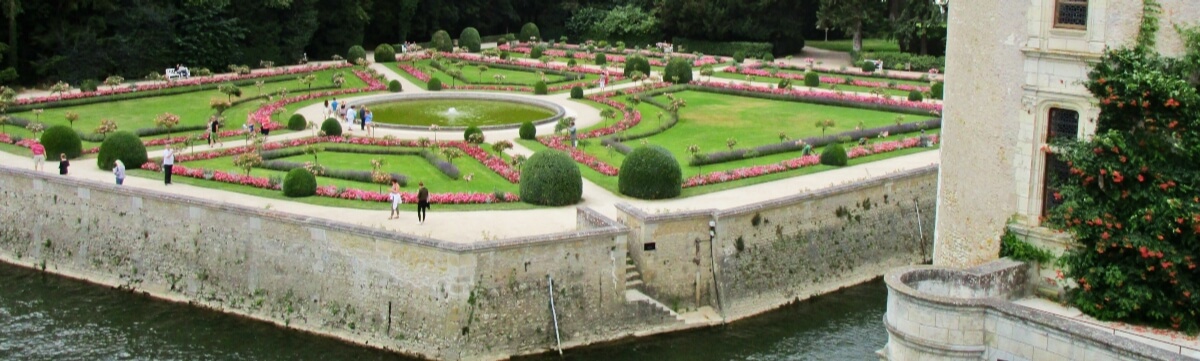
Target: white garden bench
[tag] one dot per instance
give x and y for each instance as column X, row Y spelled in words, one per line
column 183, row 73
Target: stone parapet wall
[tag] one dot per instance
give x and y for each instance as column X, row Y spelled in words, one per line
column 678, row 270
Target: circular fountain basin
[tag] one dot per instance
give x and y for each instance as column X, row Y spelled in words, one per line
column 450, row 111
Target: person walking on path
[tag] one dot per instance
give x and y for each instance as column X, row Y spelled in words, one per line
column 213, row 125
column 350, row 116
column 326, row 108
column 369, row 122
column 39, row 155
column 422, row 203
column 168, row 162
column 362, row 118
column 63, row 163
column 396, row 200
column 334, row 107
column 119, row 171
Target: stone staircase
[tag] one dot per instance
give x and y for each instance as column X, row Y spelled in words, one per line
column 635, row 293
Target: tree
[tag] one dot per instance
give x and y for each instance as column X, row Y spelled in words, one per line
column 608, row 114
column 60, row 88
column 247, row 161
column 451, row 153
column 849, row 15
column 72, row 117
column 106, row 126
column 168, row 121
column 482, row 69
column 501, row 146
column 441, row 41
column 529, row 32
column 825, row 124
column 707, row 70
column 308, row 80
column 469, row 39
column 112, row 81
column 230, row 90
column 918, row 21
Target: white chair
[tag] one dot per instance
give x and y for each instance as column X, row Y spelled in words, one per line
column 171, row 74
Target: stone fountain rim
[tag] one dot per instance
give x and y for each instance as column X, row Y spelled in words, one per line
column 559, row 110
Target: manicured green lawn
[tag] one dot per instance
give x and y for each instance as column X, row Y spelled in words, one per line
column 869, row 45
column 471, row 72
column 797, row 82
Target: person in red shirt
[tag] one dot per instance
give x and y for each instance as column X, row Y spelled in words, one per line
column 39, row 155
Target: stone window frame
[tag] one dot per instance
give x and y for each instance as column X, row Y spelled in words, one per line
column 1043, row 169
column 1058, row 4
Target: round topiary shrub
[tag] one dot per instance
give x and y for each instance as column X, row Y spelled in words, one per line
column 60, row 139
column 739, row 56
column 395, row 87
column 385, row 53
column 540, row 88
column 768, row 57
column 636, row 63
column 834, row 155
column 122, row 145
column 551, row 178
column 503, row 55
column 601, row 59
column 868, row 66
column 527, row 131
column 812, row 80
column 435, row 84
column 572, row 63
column 536, row 52
column 577, row 92
column 299, row 182
column 915, row 96
column 678, row 71
column 936, row 90
column 471, row 130
column 469, row 38
column 441, row 41
column 356, row 52
column 529, row 31
column 650, row 172
column 297, row 122
column 331, row 127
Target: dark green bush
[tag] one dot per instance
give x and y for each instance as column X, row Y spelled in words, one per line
column 915, row 96
column 812, row 79
column 572, row 63
column 385, row 53
column 331, row 127
column 297, row 122
column 469, row 38
column 650, row 172
column 435, row 84
column 784, row 84
column 868, row 66
column 356, row 52
column 551, row 178
column 62, row 139
column 739, row 56
column 89, row 85
column 601, row 59
column 529, row 30
column 536, row 52
column 678, row 71
column 471, row 130
column 121, row 145
column 906, row 61
column 726, row 48
column 936, row 90
column 442, row 41
column 394, row 86
column 540, row 88
column 577, row 92
column 528, row 131
column 299, row 182
column 767, row 57
column 636, row 63
column 503, row 55
column 834, row 155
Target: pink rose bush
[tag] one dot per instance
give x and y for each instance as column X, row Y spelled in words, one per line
column 825, row 79
column 560, row 143
column 932, row 75
column 801, row 162
column 824, row 95
column 262, row 115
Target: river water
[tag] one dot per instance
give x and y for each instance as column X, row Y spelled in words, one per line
column 45, row 317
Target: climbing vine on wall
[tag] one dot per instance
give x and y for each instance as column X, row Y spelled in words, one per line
column 1132, row 199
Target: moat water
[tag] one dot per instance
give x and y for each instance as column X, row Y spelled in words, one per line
column 45, row 317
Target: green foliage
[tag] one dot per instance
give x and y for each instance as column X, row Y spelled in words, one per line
column 636, row 63
column 626, row 22
column 601, row 59
column 385, row 53
column 471, row 130
column 536, row 52
column 936, row 90
column 850, row 15
column 767, row 57
column 435, row 84
column 726, row 48
column 356, row 52
column 577, row 92
column 678, row 71
column 812, row 79
column 551, row 178
column 739, row 56
column 868, row 66
column 441, row 41
column 1019, row 249
column 1130, row 197
column 540, row 88
column 527, row 130
column 297, row 122
column 331, row 127
column 89, row 85
column 122, row 145
column 650, row 172
column 834, row 154
column 915, row 96
column 529, row 31
column 395, row 86
column 62, row 139
column 900, row 61
column 299, row 182
column 469, row 38
column 503, row 55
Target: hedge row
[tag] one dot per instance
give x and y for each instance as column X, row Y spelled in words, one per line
column 726, row 48
column 813, row 142
column 143, row 132
column 449, row 169
column 821, row 101
column 346, row 174
column 567, row 76
column 144, row 94
column 617, row 140
column 294, row 151
column 896, row 61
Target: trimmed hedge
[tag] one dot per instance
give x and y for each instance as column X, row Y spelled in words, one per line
column 727, row 48
column 896, row 61
column 446, row 167
column 551, row 178
column 62, row 139
column 812, row 79
column 299, row 183
column 834, row 155
column 441, row 41
column 813, row 142
column 529, row 30
column 528, row 131
column 835, row 102
column 356, row 52
column 435, row 84
column 540, row 88
column 536, row 52
column 471, row 130
column 937, row 90
column 739, row 56
column 364, row 176
column 678, row 71
column 915, row 96
column 331, row 127
column 297, row 122
column 576, row 92
column 868, row 66
column 385, row 53
column 601, row 59
column 395, row 86
column 636, row 63
column 650, row 172
column 121, row 145
column 469, row 38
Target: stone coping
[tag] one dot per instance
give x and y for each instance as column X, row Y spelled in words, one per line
column 898, row 282
column 674, row 216
column 826, row 192
column 608, row 228
column 560, row 112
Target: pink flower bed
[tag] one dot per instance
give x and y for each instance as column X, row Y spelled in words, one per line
column 262, row 116
column 420, row 75
column 801, row 162
column 825, row 79
column 582, row 54
column 824, row 95
column 557, row 142
column 933, row 73
column 178, row 83
column 614, row 75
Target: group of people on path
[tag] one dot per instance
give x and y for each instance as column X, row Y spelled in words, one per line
column 39, row 162
column 351, row 114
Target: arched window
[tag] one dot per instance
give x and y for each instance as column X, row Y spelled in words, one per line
column 1070, row 14
column 1063, row 124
